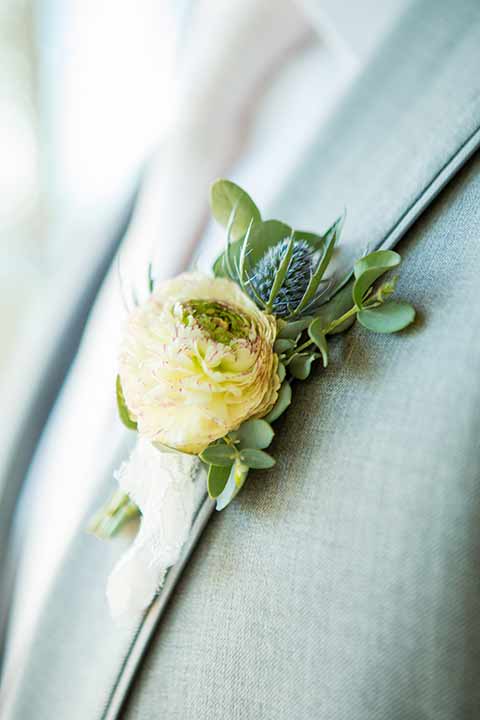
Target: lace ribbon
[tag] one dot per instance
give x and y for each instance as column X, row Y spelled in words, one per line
column 166, row 488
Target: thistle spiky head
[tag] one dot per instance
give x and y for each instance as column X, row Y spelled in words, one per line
column 296, row 280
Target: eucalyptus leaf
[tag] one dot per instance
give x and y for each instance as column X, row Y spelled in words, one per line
column 221, row 454
column 256, row 459
column 316, row 241
column 240, row 472
column 369, row 268
column 217, row 480
column 238, row 475
column 301, row 365
column 281, row 372
column 316, row 333
column 283, row 401
column 283, row 345
column 264, row 235
column 253, row 434
column 122, row 407
column 227, row 197
column 388, row 318
column 295, row 327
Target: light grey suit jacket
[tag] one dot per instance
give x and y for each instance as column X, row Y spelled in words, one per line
column 345, row 583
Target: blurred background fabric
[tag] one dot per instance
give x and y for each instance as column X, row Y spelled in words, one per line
column 98, row 99
column 22, row 211
column 76, row 125
column 85, row 96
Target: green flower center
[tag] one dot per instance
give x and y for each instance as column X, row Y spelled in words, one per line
column 219, row 321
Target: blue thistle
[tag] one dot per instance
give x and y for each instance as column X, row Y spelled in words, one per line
column 296, row 280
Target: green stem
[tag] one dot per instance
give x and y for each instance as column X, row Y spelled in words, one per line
column 112, row 516
column 375, row 301
column 231, row 443
column 299, row 349
column 228, row 441
column 331, row 326
column 339, row 321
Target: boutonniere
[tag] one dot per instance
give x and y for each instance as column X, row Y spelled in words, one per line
column 208, row 365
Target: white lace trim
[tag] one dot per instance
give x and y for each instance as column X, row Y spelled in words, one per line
column 164, row 488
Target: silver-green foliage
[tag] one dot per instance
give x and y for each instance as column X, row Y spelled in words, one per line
column 284, row 271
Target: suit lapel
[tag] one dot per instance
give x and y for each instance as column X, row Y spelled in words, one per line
column 386, row 155
column 149, row 624
column 404, row 131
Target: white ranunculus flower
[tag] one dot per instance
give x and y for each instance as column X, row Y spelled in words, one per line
column 197, row 360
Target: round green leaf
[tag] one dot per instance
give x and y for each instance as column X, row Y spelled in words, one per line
column 122, row 407
column 261, row 236
column 388, row 318
column 292, row 329
column 316, row 241
column 217, row 480
column 235, row 482
column 256, row 459
column 221, row 454
column 301, row 365
column 254, row 434
column 283, row 345
column 227, row 197
column 281, row 372
column 370, row 268
column 283, row 401
column 264, row 235
column 240, row 472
